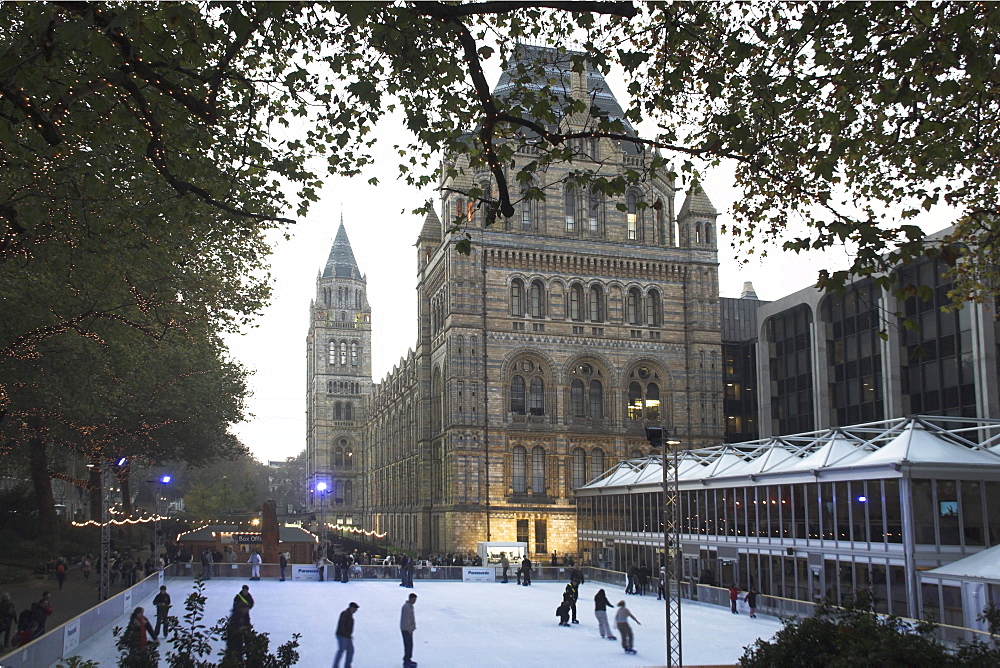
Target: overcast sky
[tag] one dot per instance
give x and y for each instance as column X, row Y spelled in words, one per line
column 383, row 238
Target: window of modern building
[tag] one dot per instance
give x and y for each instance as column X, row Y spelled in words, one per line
column 791, row 370
column 854, row 354
column 538, row 470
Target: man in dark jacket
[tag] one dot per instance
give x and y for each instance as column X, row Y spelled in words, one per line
column 526, row 571
column 345, row 631
column 282, row 565
column 162, row 603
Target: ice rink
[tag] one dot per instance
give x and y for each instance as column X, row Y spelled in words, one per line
column 460, row 624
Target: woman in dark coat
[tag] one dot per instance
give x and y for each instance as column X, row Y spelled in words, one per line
column 601, row 605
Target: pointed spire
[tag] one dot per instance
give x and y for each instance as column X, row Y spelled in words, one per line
column 431, row 230
column 696, row 203
column 748, row 291
column 341, row 263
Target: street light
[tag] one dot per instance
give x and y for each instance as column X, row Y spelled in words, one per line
column 321, row 487
column 157, row 532
column 657, row 437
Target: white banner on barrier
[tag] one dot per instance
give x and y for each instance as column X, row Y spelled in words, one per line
column 71, row 637
column 478, row 574
column 305, row 572
column 127, row 600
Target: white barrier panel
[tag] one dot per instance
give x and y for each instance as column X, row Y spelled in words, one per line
column 71, row 636
column 305, row 572
column 478, row 574
column 127, row 600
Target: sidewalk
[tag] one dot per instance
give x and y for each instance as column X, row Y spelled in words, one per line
column 76, row 596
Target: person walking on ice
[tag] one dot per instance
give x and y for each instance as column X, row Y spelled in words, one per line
column 345, row 631
column 622, row 616
column 407, row 625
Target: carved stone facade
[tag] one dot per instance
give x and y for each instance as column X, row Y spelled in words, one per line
column 339, row 384
column 543, row 354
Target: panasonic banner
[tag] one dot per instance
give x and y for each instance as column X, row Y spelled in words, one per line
column 305, row 572
column 478, row 574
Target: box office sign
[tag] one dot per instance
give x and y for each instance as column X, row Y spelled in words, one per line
column 242, row 538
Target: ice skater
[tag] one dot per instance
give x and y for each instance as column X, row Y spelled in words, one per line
column 525, row 571
column 345, row 631
column 563, row 611
column 601, row 605
column 407, row 625
column 734, row 594
column 622, row 616
column 254, row 562
column 752, row 602
column 162, row 603
column 505, row 565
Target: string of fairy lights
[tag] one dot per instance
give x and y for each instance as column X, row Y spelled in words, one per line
column 144, row 519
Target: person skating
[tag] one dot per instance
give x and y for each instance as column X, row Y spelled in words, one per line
column 601, row 605
column 573, row 592
column 734, row 593
column 141, row 635
column 282, row 565
column 505, row 566
column 563, row 611
column 244, row 598
column 254, row 562
column 41, row 610
column 162, row 603
column 407, row 625
column 752, row 602
column 345, row 631
column 239, row 625
column 206, row 564
column 526, row 571
column 622, row 616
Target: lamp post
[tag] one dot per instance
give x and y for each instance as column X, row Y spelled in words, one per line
column 157, row 531
column 321, row 487
column 672, row 570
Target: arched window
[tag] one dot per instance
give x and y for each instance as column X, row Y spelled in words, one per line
column 519, row 474
column 343, row 316
column 517, row 395
column 596, row 462
column 338, row 412
column 576, row 302
column 349, row 492
column 329, row 387
column 517, row 298
column 633, row 215
column 332, row 352
column 697, row 233
column 652, row 403
column 338, row 458
column 343, row 352
column 538, row 470
column 595, row 211
column 633, row 306
column 536, row 396
column 436, row 399
column 569, row 206
column 354, row 354
column 596, row 400
column 536, row 299
column 577, row 407
column 708, row 233
column 348, row 411
column 595, row 303
column 528, row 207
column 634, row 401
column 654, row 315
column 338, row 495
column 578, row 471
column 348, row 458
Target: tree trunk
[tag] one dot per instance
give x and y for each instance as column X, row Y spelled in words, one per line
column 42, row 483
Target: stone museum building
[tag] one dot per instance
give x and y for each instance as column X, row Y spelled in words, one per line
column 541, row 356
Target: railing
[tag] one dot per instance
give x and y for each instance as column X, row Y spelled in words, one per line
column 63, row 640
